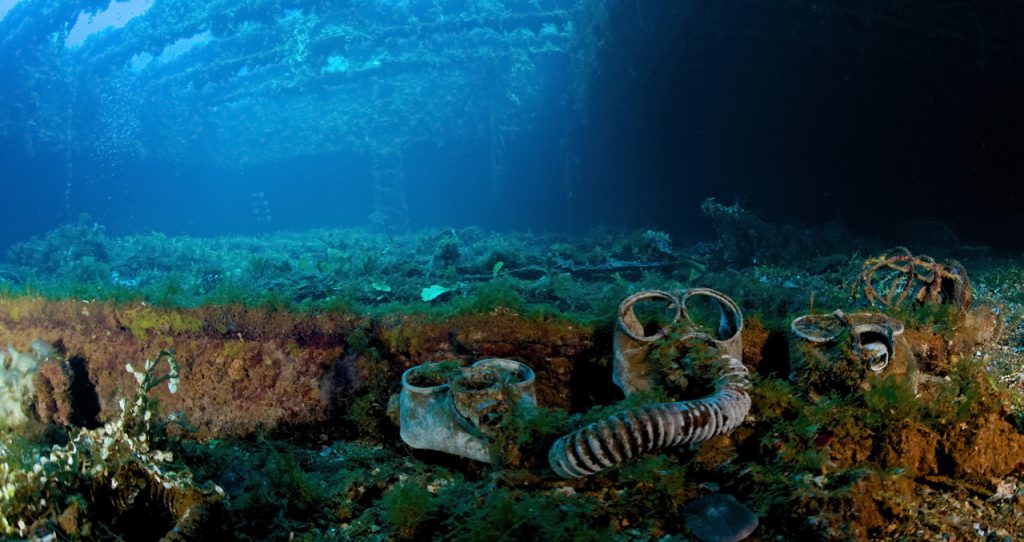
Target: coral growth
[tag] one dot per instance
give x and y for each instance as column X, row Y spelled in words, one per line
column 53, row 399
column 110, row 478
column 17, row 372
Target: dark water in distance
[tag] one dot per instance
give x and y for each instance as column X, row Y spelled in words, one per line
column 215, row 117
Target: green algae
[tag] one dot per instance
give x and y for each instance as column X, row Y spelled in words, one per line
column 145, row 321
column 796, row 461
column 406, row 506
column 522, row 436
column 336, row 270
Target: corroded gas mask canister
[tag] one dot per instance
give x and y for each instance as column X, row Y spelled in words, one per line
column 454, row 412
column 625, row 435
column 841, row 348
column 631, row 370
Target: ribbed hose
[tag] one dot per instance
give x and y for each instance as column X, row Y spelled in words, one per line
column 622, row 436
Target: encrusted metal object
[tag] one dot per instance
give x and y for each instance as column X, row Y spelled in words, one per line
column 451, row 412
column 630, row 369
column 900, row 273
column 622, row 436
column 840, row 351
column 619, row 437
column 873, row 335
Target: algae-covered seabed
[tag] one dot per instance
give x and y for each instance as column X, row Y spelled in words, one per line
column 290, row 346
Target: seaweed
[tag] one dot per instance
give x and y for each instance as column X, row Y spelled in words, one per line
column 967, row 394
column 890, row 398
column 406, row 506
column 522, row 436
column 817, row 459
column 507, row 514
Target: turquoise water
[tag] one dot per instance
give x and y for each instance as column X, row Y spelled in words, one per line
column 209, row 118
column 367, row 269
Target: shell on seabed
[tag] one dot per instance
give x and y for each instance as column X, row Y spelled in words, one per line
column 719, row 518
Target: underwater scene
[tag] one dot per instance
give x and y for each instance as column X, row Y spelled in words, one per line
column 512, row 270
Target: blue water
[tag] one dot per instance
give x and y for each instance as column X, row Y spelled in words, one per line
column 209, row 118
column 307, row 198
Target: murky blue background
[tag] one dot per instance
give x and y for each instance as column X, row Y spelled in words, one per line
column 245, row 117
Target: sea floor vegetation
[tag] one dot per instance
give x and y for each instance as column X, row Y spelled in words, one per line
column 264, row 411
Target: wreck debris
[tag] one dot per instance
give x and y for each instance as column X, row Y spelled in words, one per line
column 841, row 348
column 627, row 434
column 591, row 271
column 631, row 371
column 719, row 518
column 873, row 334
column 900, row 274
column 449, row 409
column 624, row 435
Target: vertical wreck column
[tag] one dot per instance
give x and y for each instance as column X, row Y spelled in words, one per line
column 390, row 208
column 590, row 27
column 496, row 137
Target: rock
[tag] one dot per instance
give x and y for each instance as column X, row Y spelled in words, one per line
column 989, row 447
column 719, row 518
column 911, row 446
